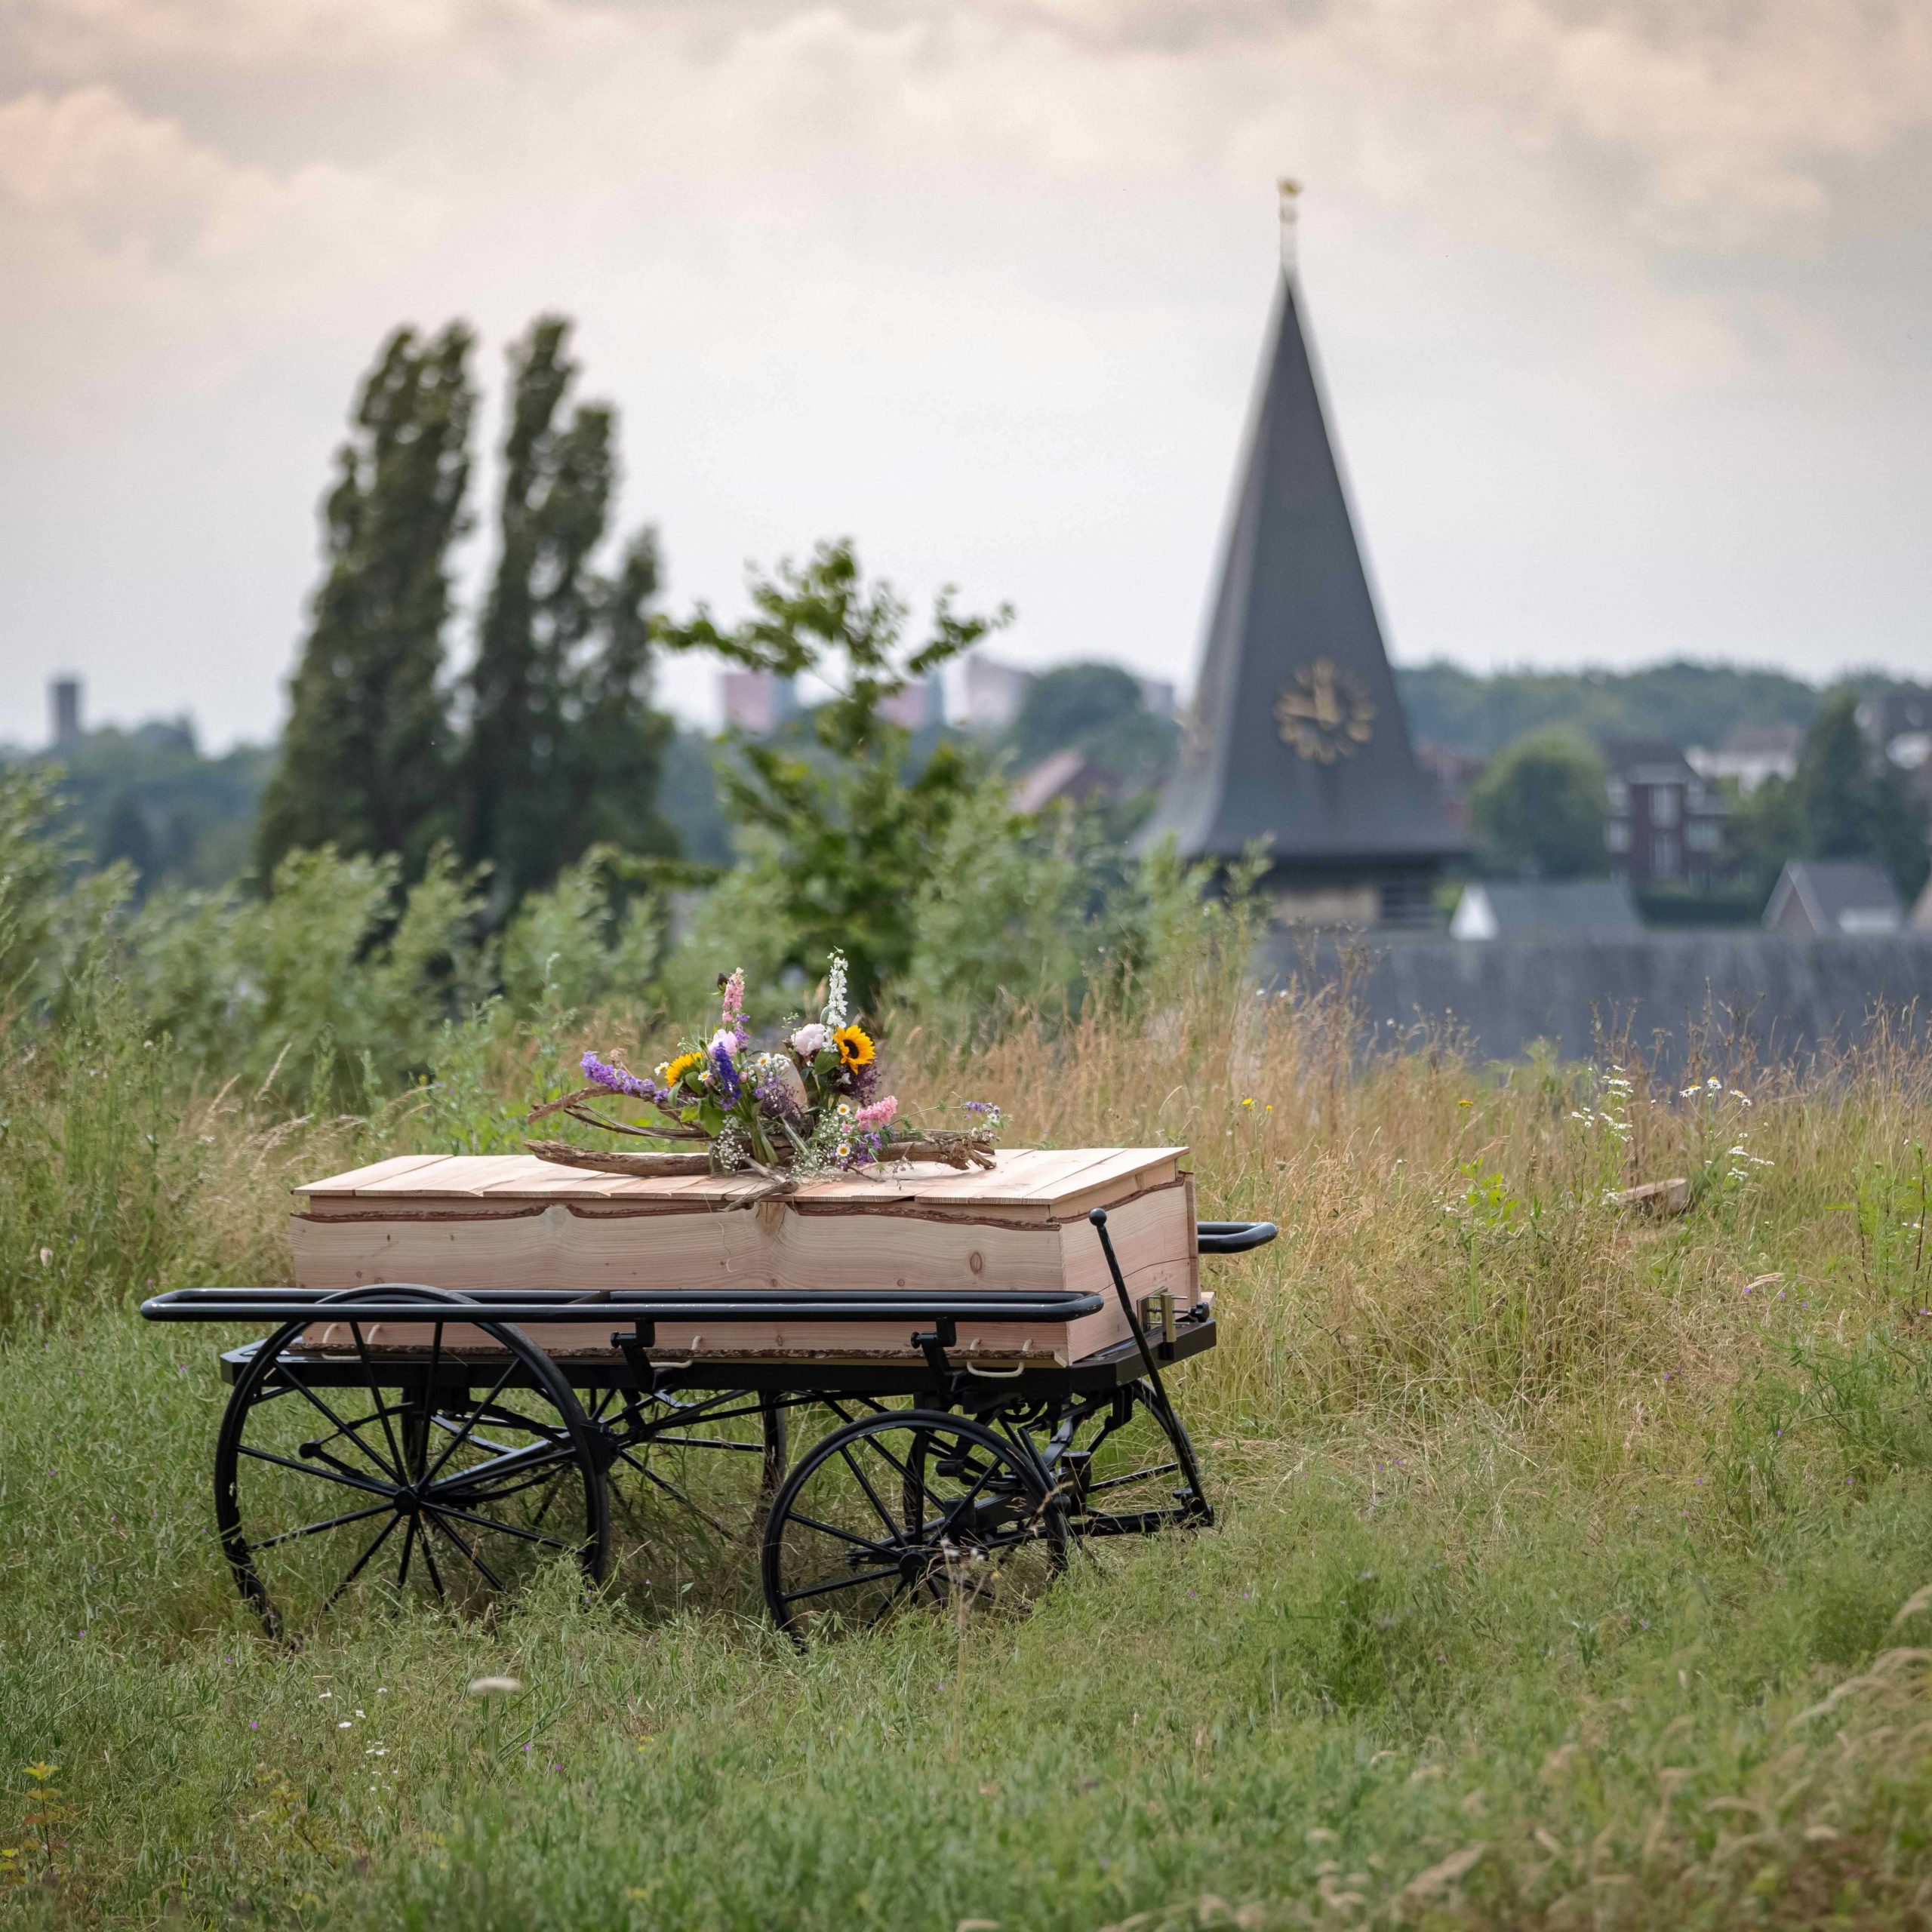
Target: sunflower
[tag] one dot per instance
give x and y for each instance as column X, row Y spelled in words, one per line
column 679, row 1067
column 855, row 1047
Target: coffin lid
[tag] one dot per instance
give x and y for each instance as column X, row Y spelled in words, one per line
column 1025, row 1179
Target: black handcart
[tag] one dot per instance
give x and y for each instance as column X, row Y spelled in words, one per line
column 459, row 1465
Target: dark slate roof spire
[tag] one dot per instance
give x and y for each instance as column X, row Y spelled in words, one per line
column 1296, row 732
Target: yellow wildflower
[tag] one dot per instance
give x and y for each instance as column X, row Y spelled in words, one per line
column 855, row 1046
column 679, row 1067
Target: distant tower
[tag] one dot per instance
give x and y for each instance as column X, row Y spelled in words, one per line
column 63, row 705
column 1295, row 733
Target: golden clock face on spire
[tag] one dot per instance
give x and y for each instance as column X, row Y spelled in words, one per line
column 1324, row 712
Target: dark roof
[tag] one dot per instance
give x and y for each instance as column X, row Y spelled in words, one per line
column 1552, row 909
column 1828, row 889
column 1626, row 756
column 1293, row 617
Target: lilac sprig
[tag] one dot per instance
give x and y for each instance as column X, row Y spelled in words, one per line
column 729, row 1083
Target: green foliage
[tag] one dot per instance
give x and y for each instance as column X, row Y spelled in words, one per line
column 1845, row 802
column 1539, row 808
column 1011, row 914
column 842, row 839
column 1689, row 704
column 334, row 988
column 32, row 863
column 365, row 761
column 150, row 798
column 564, row 749
column 1850, row 802
column 1069, row 705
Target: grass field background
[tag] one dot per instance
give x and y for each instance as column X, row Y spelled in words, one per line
column 1572, row 1566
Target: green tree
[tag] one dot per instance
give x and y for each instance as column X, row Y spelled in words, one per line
column 1070, row 705
column 563, row 746
column 845, row 831
column 365, row 763
column 1540, row 807
column 1848, row 802
column 1098, row 710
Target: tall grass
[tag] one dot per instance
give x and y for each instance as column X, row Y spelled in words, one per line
column 1571, row 1568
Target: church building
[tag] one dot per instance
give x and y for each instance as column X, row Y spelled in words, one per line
column 1296, row 735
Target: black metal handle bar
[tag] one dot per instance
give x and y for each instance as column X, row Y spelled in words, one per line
column 1232, row 1237
column 378, row 1303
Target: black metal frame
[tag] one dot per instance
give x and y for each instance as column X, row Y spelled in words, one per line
column 1048, row 1420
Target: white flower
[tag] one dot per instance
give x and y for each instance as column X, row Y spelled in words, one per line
column 808, row 1042
column 834, row 1014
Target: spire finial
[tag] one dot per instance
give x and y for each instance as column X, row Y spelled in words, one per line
column 1290, row 193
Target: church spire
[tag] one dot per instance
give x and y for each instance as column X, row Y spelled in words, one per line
column 1297, row 734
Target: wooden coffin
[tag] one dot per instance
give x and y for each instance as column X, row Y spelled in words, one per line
column 515, row 1222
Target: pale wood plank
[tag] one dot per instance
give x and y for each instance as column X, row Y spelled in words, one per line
column 1115, row 1167
column 460, row 1176
column 347, row 1183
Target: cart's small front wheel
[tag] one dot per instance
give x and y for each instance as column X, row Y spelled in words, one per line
column 452, row 1476
column 910, row 1509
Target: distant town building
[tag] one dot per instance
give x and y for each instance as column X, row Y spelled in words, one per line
column 1296, row 737
column 922, row 702
column 1750, row 754
column 1833, row 897
column 63, row 711
column 995, row 692
column 756, row 703
column 1067, row 776
column 1665, row 824
column 1546, row 908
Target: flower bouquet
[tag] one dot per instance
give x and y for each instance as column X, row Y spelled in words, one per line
column 804, row 1109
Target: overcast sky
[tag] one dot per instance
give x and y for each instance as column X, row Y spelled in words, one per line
column 1621, row 306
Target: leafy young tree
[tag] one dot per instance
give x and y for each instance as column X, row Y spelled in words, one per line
column 1540, row 807
column 365, row 763
column 563, row 746
column 850, row 832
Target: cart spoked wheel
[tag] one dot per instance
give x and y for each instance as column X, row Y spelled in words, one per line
column 1121, row 1466
column 910, row 1509
column 704, row 1464
column 450, row 1478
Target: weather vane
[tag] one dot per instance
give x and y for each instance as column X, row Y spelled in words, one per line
column 1290, row 193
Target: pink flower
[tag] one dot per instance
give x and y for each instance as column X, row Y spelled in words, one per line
column 733, row 1013
column 881, row 1113
column 809, row 1042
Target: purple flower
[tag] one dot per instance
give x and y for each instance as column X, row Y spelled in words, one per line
column 728, row 1082
column 617, row 1080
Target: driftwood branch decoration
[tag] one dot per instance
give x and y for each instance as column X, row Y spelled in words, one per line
column 964, row 1151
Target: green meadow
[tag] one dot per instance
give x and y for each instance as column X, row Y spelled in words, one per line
column 1571, row 1568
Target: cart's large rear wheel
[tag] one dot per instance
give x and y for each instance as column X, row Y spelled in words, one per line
column 354, row 1469
column 914, row 1509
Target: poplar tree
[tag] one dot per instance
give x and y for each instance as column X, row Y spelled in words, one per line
column 563, row 747
column 366, row 762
